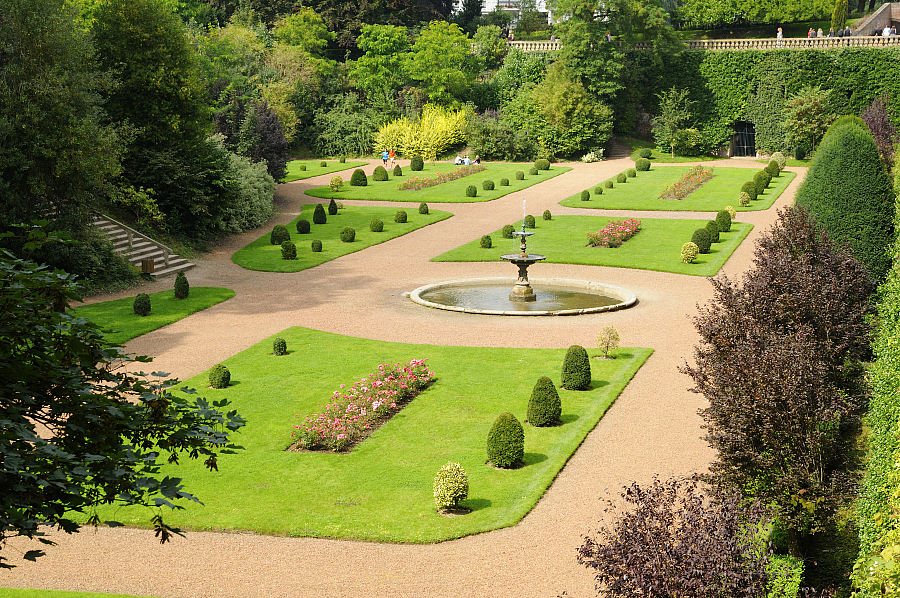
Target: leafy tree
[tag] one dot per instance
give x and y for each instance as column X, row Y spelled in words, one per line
column 79, row 431
column 262, row 139
column 489, row 46
column 877, row 117
column 726, row 12
column 807, row 116
column 780, row 362
column 469, row 15
column 347, row 129
column 674, row 109
column 518, row 68
column 839, row 14
column 441, row 61
column 346, row 19
column 530, row 18
column 381, row 67
column 303, row 28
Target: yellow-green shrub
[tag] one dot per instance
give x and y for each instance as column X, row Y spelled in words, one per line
column 437, row 130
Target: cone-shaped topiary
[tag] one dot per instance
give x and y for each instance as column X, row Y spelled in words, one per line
column 288, row 250
column 486, row 242
column 379, row 174
column 542, row 164
column 506, row 442
column 416, row 164
column 451, row 485
column 504, row 182
column 303, row 226
column 397, row 171
column 376, row 226
column 400, row 216
column 713, row 230
column 547, row 215
column 598, row 190
column 723, row 221
column 585, row 195
column 520, row 176
column 182, row 287
column 423, row 208
column 319, row 216
column 279, row 347
column 701, row 239
column 576, row 370
column 316, row 246
column 507, row 231
column 219, row 377
column 750, row 189
column 332, row 208
column 358, row 178
column 529, row 221
column 532, row 171
column 689, row 252
column 471, row 191
column 621, row 177
column 279, row 235
column 488, row 185
column 141, row 304
column 544, row 407
column 348, row 234
column 645, row 152
column 642, row 164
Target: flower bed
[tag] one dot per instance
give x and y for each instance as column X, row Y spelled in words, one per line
column 355, row 413
column 689, row 183
column 615, row 233
column 419, row 183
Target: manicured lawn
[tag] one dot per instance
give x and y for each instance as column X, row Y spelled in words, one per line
column 262, row 255
column 636, row 145
column 315, row 168
column 642, row 192
column 451, row 192
column 120, row 324
column 563, row 240
column 25, row 593
column 382, row 490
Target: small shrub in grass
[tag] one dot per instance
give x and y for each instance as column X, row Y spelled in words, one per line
column 621, row 177
column 342, row 160
column 451, row 485
column 182, row 286
column 348, row 234
column 598, row 190
column 302, row 167
column 723, row 221
column 772, row 168
column 701, row 239
column 713, row 230
column 332, row 208
column 608, row 184
column 532, row 171
column 631, row 173
column 471, row 191
column 316, row 246
column 486, row 242
column 689, row 252
column 547, row 215
column 379, row 174
column 585, row 195
column 744, row 199
column 141, row 304
column 645, row 152
column 423, row 208
column 761, row 180
column 323, row 163
column 780, row 160
column 400, row 217
column 506, row 442
column 529, row 221
column 504, row 182
column 416, row 163
column 750, row 189
column 731, row 213
column 358, row 178
column 337, row 183
column 279, row 347
column 397, row 171
column 642, row 164
column 520, row 176
column 544, row 406
column 319, row 216
column 303, row 226
column 288, row 250
column 542, row 164
column 608, row 340
column 576, row 370
column 219, row 377
column 376, row 226
column 488, row 185
column 279, row 235
column 507, row 231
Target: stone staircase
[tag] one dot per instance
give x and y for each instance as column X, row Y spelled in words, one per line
column 151, row 257
column 616, row 149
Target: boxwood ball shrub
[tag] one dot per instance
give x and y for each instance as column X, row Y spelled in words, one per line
column 332, row 208
column 532, row 171
column 486, row 242
column 542, row 164
column 701, row 239
column 645, row 152
column 780, row 160
column 397, row 171
column 219, row 377
column 488, row 185
column 302, row 167
column 621, row 178
column 631, row 172
column 316, row 246
column 689, row 252
column 529, row 221
column 279, row 235
column 471, row 191
column 506, row 442
column 379, row 174
column 288, row 250
column 319, row 216
column 182, row 286
column 400, row 216
column 750, row 189
column 504, row 182
column 608, row 184
column 376, row 226
column 507, row 231
column 141, row 304
column 520, row 176
column 547, row 215
column 451, row 485
column 348, row 234
column 642, row 164
column 544, row 406
column 358, row 178
column 723, row 221
column 713, row 230
column 342, row 159
column 303, row 226
column 585, row 195
column 323, row 163
column 576, row 370
column 772, row 168
column 416, row 163
column 744, row 199
column 598, row 190
column 423, row 208
column 279, row 346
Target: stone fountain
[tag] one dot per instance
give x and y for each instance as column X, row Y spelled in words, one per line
column 523, row 291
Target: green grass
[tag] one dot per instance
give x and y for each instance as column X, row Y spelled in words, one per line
column 25, row 593
column 262, row 255
column 120, row 324
column 642, row 192
column 382, row 490
column 452, row 192
column 314, row 168
column 563, row 240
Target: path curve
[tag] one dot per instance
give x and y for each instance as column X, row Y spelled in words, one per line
column 653, row 428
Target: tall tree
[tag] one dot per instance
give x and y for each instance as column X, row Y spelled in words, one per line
column 469, row 15
column 441, row 61
column 380, row 69
column 674, row 110
column 346, row 19
column 806, row 115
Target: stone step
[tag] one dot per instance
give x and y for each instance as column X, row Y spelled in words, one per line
column 140, row 250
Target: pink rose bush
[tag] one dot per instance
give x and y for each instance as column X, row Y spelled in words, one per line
column 418, row 183
column 689, row 183
column 369, row 402
column 615, row 233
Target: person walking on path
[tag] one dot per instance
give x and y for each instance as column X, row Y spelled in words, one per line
column 384, row 157
column 393, row 156
column 779, row 36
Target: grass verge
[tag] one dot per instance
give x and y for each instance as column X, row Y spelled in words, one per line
column 315, row 168
column 656, row 247
column 451, row 192
column 382, row 490
column 642, row 192
column 120, row 324
column 263, row 256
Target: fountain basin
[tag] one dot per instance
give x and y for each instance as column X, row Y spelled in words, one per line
column 554, row 297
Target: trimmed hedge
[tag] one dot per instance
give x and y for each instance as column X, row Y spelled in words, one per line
column 303, row 226
column 544, row 406
column 506, row 442
column 486, row 242
column 316, row 246
column 348, row 234
column 182, row 286
column 376, row 226
column 380, row 174
column 358, row 178
column 416, row 164
column 488, row 185
column 288, row 250
column 702, row 240
column 542, row 164
column 279, row 235
column 141, row 305
column 723, row 221
column 529, row 221
column 576, row 370
column 642, row 164
column 319, row 216
column 332, row 208
column 507, row 231
column 713, row 230
column 400, row 217
column 451, row 485
column 471, row 191
column 219, row 377
column 585, row 195
column 423, row 208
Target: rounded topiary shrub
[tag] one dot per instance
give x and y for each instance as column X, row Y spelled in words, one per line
column 348, row 234
column 645, row 152
column 701, row 239
column 585, row 195
column 744, row 199
column 323, row 163
column 397, row 171
column 723, row 221
column 141, row 304
column 761, row 180
column 506, row 442
column 542, row 164
column 621, row 178
column 302, row 167
column 303, row 226
column 379, row 174
column 358, row 178
column 400, row 216
column 337, row 183
column 488, row 185
column 279, row 347
column 713, row 230
column 731, row 213
column 799, row 153
column 631, row 172
column 279, row 235
column 772, row 168
column 507, row 231
column 342, row 160
column 532, row 171
column 689, row 252
column 288, row 250
column 520, row 176
column 547, row 215
column 780, row 160
column 750, row 189
column 642, row 164
column 182, row 286
column 486, row 242
column 608, row 184
column 451, row 485
column 504, row 182
column 316, row 246
column 416, row 163
column 376, row 226
column 529, row 221
column 576, row 370
column 319, row 216
column 219, row 377
column 471, row 191
column 544, row 407
column 598, row 190
column 423, row 208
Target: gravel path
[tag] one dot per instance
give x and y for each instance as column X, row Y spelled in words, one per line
column 653, row 428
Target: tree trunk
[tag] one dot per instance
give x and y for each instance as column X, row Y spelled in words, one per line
column 794, row 543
